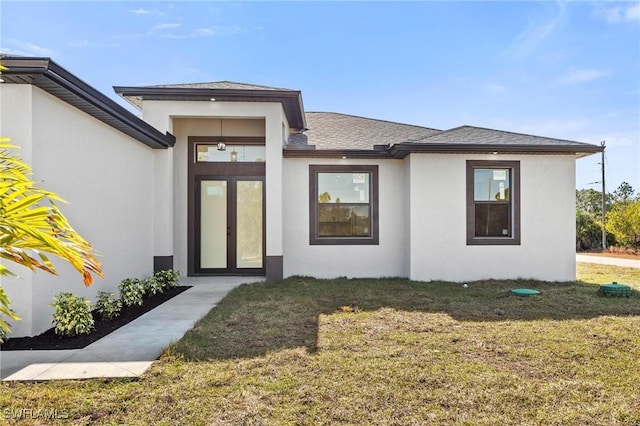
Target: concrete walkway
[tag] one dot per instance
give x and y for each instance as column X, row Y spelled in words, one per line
column 603, row 260
column 130, row 350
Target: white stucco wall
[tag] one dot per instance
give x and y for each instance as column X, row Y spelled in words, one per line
column 108, row 179
column 330, row 261
column 438, row 221
column 193, row 118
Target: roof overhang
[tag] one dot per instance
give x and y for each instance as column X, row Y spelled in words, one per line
column 291, row 100
column 335, row 153
column 52, row 78
column 401, row 150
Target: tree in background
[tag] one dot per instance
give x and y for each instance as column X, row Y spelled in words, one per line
column 32, row 227
column 623, row 217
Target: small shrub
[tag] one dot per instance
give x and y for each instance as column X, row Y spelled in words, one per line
column 73, row 315
column 152, row 286
column 108, row 306
column 131, row 292
column 167, row 278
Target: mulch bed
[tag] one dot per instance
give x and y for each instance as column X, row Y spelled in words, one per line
column 51, row 341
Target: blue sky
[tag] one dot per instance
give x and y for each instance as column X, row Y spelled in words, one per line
column 559, row 69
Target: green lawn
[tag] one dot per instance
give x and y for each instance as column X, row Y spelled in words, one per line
column 399, row 352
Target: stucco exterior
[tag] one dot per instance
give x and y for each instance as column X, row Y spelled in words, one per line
column 329, row 261
column 130, row 183
column 108, row 179
column 438, row 249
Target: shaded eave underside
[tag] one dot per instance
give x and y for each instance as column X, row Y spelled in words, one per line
column 52, row 78
column 291, row 100
column 401, row 150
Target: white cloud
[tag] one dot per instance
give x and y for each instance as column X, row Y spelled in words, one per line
column 495, row 88
column 23, row 48
column 620, row 14
column 83, row 44
column 536, row 32
column 140, row 11
column 165, row 26
column 611, row 140
column 216, row 30
column 582, row 76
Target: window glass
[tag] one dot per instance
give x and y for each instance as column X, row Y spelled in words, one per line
column 493, row 202
column 343, row 204
column 491, row 184
column 343, row 188
column 343, row 221
column 492, row 220
column 209, row 153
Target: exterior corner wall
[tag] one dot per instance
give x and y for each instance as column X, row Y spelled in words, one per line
column 329, row 261
column 16, row 116
column 107, row 179
column 438, row 221
column 163, row 203
column 407, row 220
column 273, row 181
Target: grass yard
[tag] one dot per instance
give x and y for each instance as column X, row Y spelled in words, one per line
column 393, row 351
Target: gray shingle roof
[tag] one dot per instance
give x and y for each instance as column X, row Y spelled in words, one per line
column 330, row 130
column 483, row 136
column 219, row 85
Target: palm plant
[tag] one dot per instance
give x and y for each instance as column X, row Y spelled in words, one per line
column 32, row 227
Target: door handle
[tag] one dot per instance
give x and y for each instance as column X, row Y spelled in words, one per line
column 228, row 231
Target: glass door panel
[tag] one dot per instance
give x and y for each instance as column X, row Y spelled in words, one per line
column 213, row 224
column 249, row 224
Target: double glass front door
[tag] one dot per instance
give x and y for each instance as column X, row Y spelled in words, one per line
column 229, row 225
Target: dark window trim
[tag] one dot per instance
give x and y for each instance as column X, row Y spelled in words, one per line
column 195, row 171
column 313, row 197
column 514, row 186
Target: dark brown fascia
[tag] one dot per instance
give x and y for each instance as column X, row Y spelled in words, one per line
column 52, row 78
column 291, row 100
column 401, row 150
column 334, row 153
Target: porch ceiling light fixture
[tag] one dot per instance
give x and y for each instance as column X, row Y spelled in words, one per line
column 212, row 99
column 222, row 146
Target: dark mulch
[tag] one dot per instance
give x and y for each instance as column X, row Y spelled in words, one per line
column 51, row 341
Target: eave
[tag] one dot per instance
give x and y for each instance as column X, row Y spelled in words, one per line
column 401, row 150
column 52, row 78
column 335, row 153
column 291, row 100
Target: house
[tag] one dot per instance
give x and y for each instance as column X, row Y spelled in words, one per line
column 227, row 178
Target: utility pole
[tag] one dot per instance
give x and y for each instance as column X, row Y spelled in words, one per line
column 604, row 197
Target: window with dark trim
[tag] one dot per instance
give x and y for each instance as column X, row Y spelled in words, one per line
column 343, row 205
column 493, row 202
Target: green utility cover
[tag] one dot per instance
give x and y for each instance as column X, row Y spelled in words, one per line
column 524, row 292
column 614, row 289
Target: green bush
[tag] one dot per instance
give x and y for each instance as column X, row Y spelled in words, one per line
column 108, row 306
column 131, row 292
column 73, row 315
column 152, row 286
column 167, row 278
column 588, row 231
